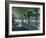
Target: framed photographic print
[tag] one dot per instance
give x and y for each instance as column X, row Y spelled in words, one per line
column 24, row 18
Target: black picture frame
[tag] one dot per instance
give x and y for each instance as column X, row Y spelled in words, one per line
column 7, row 18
